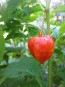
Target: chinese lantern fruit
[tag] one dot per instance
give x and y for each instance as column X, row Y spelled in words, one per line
column 41, row 47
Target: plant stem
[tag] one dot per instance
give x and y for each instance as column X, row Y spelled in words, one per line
column 50, row 61
column 48, row 3
column 50, row 73
column 48, row 21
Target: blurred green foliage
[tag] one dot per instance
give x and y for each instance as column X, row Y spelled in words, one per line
column 17, row 67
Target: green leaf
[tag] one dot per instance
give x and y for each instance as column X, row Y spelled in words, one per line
column 13, row 49
column 13, row 24
column 62, row 29
column 33, row 31
column 29, row 10
column 20, row 82
column 2, row 45
column 60, row 9
column 58, row 51
column 15, row 35
column 61, row 73
column 55, row 32
column 35, row 8
column 23, row 66
column 11, row 6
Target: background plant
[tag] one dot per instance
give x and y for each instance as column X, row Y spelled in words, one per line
column 16, row 67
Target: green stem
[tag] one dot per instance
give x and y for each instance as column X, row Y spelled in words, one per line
column 50, row 73
column 48, row 4
column 50, row 61
column 48, row 21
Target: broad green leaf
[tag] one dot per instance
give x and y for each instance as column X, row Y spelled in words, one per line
column 11, row 5
column 35, row 8
column 13, row 49
column 28, row 10
column 2, row 45
column 23, row 66
column 13, row 24
column 58, row 51
column 33, row 31
column 55, row 32
column 15, row 35
column 31, row 18
column 62, row 29
column 60, row 9
column 20, row 82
